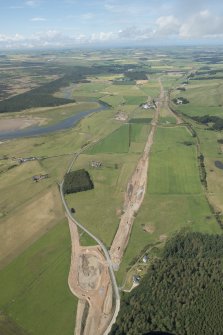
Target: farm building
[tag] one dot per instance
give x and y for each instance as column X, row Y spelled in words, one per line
column 96, row 164
column 40, row 177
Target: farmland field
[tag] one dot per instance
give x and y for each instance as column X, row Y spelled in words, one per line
column 35, row 245
column 35, row 286
column 102, row 205
column 174, row 199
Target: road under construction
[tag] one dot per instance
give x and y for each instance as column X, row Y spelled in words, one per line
column 91, row 277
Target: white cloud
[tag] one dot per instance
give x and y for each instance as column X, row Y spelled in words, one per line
column 202, row 25
column 167, row 25
column 134, row 33
column 102, row 37
column 38, row 19
column 11, row 38
column 32, row 3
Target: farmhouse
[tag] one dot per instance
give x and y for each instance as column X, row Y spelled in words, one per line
column 136, row 279
column 179, row 102
column 148, row 105
column 145, row 259
column 96, row 164
column 40, row 177
column 26, row 159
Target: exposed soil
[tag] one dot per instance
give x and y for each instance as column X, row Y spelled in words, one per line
column 135, row 193
column 20, row 123
column 90, row 281
column 149, row 229
column 162, row 238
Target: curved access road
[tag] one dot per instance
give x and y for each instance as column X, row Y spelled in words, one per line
column 105, row 251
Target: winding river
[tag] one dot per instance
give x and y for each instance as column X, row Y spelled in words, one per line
column 62, row 125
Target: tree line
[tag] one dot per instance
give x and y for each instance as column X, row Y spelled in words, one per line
column 181, row 293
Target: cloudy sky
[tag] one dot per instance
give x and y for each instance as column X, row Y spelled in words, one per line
column 59, row 23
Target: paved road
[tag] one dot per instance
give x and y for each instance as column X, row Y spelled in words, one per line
column 106, row 253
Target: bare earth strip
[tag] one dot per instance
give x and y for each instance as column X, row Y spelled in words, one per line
column 90, row 281
column 135, row 194
column 20, row 123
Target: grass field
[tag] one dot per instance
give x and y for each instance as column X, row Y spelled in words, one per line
column 174, row 197
column 99, row 209
column 36, row 294
column 35, row 298
column 121, row 139
column 117, row 142
column 135, row 100
column 205, row 97
column 174, row 166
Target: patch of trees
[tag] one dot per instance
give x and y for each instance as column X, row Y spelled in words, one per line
column 209, row 60
column 37, row 97
column 184, row 100
column 181, row 88
column 203, row 173
column 136, row 75
column 208, row 77
column 217, row 122
column 191, row 130
column 43, row 96
column 187, row 143
column 181, row 293
column 77, row 181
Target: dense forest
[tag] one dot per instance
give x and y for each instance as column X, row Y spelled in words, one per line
column 136, row 75
column 181, row 293
column 43, row 96
column 216, row 121
column 77, row 181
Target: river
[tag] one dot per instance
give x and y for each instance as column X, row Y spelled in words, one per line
column 62, row 125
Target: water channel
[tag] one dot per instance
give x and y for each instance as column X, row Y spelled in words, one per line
column 62, row 125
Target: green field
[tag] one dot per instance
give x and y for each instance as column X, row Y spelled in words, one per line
column 99, row 209
column 35, row 246
column 36, row 294
column 117, row 142
column 121, row 139
column 135, row 100
column 174, row 198
column 174, row 166
column 205, row 97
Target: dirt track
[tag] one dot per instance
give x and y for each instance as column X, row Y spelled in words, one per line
column 135, row 193
column 89, row 280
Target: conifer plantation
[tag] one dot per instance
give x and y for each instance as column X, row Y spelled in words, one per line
column 181, row 293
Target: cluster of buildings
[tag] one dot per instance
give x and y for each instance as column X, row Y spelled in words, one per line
column 96, row 164
column 136, row 278
column 25, row 159
column 39, row 177
column 148, row 105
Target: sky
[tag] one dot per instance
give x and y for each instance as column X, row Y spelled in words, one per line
column 74, row 23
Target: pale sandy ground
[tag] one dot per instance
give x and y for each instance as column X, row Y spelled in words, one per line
column 20, row 123
column 90, row 281
column 135, row 193
column 34, row 220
